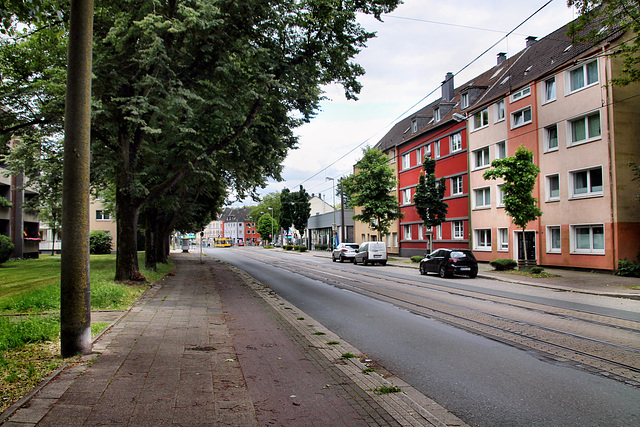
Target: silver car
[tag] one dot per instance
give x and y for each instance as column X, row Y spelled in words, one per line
column 344, row 251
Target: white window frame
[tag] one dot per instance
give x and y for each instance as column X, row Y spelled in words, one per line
column 426, row 151
column 548, row 130
column 406, row 161
column 549, row 85
column 455, row 142
column 503, row 239
column 550, row 247
column 406, row 196
column 414, row 126
column 548, row 180
column 481, row 153
column 457, row 185
column 457, row 230
column 481, row 191
column 439, row 232
column 583, row 70
column 464, row 99
column 592, row 250
column 501, row 112
column 103, row 215
column 437, row 149
column 436, row 114
column 482, row 239
column 520, row 94
column 499, row 155
column 500, row 194
column 406, row 232
column 521, row 113
column 394, row 236
column 590, row 192
column 585, row 120
column 482, row 117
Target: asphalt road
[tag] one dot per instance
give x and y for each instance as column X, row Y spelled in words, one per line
column 483, row 381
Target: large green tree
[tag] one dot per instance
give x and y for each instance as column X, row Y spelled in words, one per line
column 301, row 210
column 370, row 189
column 429, row 194
column 599, row 18
column 520, row 175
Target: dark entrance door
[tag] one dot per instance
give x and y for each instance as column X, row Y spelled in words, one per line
column 529, row 245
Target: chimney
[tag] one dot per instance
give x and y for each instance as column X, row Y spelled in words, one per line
column 531, row 40
column 447, row 87
column 502, row 57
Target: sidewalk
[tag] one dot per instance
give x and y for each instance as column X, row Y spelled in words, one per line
column 210, row 346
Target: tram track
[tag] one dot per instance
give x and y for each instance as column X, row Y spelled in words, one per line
column 619, row 360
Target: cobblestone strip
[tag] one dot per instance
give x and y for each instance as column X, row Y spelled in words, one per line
column 408, row 407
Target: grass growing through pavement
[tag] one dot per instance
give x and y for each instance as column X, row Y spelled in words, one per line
column 30, row 318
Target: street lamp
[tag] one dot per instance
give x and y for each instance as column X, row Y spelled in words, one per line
column 271, row 209
column 333, row 228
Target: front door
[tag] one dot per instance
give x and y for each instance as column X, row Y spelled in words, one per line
column 529, row 245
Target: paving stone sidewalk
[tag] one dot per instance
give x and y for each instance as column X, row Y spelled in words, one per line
column 211, row 346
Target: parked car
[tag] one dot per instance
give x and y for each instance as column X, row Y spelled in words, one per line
column 371, row 252
column 344, row 251
column 447, row 262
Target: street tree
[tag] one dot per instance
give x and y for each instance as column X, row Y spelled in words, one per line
column 429, row 194
column 370, row 189
column 599, row 18
column 520, row 175
column 267, row 227
column 301, row 210
column 287, row 211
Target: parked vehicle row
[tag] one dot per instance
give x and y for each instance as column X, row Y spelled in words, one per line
column 444, row 262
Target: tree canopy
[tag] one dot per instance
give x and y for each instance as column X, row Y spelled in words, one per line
column 429, row 194
column 370, row 189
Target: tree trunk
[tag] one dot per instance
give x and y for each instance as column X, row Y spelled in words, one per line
column 127, row 222
column 150, row 241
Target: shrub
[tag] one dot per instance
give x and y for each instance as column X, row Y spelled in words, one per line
column 6, row 248
column 416, row 258
column 301, row 248
column 287, row 247
column 628, row 268
column 536, row 270
column 322, row 247
column 501, row 264
column 100, row 242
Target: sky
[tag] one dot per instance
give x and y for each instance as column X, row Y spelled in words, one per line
column 415, row 46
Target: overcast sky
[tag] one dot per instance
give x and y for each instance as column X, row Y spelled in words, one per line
column 415, row 47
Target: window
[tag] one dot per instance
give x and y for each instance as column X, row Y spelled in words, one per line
column 456, row 142
column 481, row 158
column 406, row 161
column 585, row 129
column 457, row 229
column 414, row 127
column 586, row 183
column 583, row 76
column 500, row 114
column 426, row 150
column 501, row 149
column 481, row 119
column 437, row 148
column 406, row 230
column 103, row 216
column 522, row 93
column 553, row 239
column 500, row 201
column 483, row 197
column 553, row 187
column 521, row 118
column 587, row 239
column 439, row 232
column 394, row 237
column 503, row 239
column 436, row 114
column 406, row 196
column 482, row 239
column 456, row 185
column 549, row 90
column 551, row 138
column 465, row 99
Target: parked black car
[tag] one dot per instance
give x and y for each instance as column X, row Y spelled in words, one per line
column 447, row 262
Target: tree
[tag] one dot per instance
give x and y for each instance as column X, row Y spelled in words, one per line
column 611, row 15
column 520, row 175
column 429, row 194
column 267, row 226
column 370, row 188
column 301, row 210
column 287, row 209
column 6, row 248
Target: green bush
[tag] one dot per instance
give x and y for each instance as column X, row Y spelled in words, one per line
column 300, row 248
column 536, row 270
column 628, row 268
column 100, row 242
column 287, row 247
column 416, row 258
column 502, row 264
column 322, row 247
column 6, row 248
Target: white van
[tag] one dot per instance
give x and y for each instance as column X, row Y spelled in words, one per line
column 371, row 252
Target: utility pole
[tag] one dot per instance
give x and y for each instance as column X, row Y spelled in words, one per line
column 75, row 301
column 344, row 227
